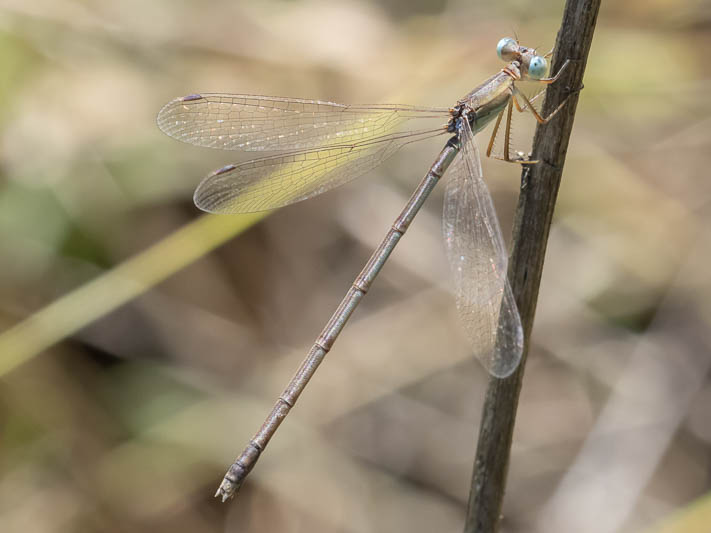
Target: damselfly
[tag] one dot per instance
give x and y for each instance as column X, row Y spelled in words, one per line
column 326, row 145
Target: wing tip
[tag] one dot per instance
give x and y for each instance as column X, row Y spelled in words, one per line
column 164, row 120
column 210, row 198
column 507, row 357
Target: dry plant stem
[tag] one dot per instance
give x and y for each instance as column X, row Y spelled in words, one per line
column 532, row 222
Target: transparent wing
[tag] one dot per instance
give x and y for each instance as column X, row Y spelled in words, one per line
column 253, row 123
column 272, row 182
column 477, row 255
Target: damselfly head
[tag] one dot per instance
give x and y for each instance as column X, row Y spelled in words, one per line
column 530, row 64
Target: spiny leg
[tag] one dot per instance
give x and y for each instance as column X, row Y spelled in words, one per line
column 507, row 139
column 507, row 131
column 525, row 106
column 530, row 107
column 493, row 134
column 548, row 81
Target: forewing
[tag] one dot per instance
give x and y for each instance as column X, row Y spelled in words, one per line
column 272, row 182
column 477, row 256
column 253, row 123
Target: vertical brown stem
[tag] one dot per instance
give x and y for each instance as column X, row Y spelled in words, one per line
column 532, row 222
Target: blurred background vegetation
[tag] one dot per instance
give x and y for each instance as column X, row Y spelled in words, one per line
column 138, row 353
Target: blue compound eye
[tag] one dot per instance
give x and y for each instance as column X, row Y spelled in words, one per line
column 537, row 67
column 506, row 48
